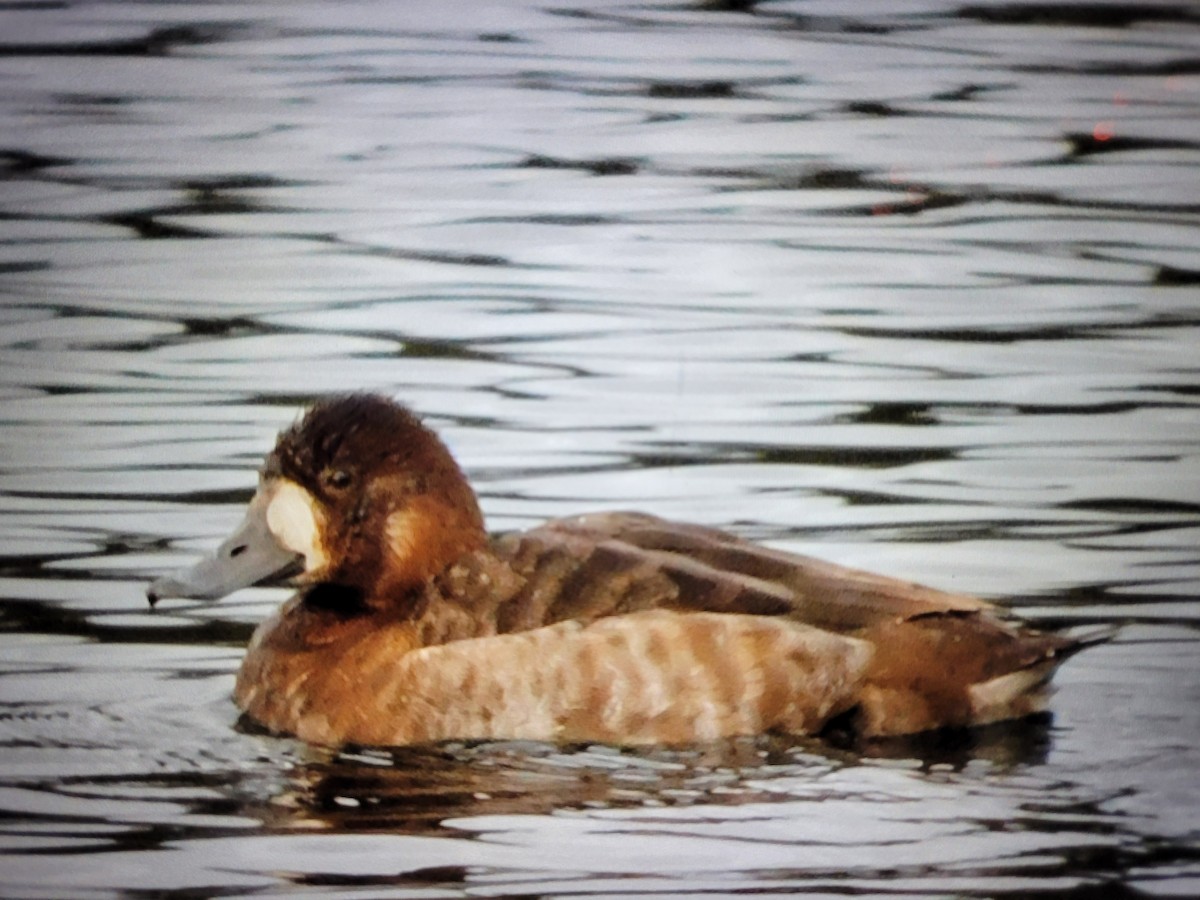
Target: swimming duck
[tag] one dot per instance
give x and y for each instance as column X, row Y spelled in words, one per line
column 412, row 625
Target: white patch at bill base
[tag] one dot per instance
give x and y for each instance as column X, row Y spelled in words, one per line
column 293, row 519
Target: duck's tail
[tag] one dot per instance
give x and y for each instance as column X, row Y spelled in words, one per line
column 959, row 670
column 1081, row 639
column 1027, row 691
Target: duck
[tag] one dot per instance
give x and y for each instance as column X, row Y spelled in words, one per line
column 412, row 624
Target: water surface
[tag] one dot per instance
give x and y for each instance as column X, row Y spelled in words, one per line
column 912, row 287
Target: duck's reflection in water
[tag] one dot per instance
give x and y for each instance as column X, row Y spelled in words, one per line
column 415, row 790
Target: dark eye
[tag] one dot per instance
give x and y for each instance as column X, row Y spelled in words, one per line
column 338, row 479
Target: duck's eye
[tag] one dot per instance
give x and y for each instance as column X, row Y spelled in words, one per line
column 338, row 479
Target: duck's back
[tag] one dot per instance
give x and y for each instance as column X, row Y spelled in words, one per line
column 608, row 563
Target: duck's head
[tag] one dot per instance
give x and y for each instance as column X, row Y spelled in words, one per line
column 357, row 494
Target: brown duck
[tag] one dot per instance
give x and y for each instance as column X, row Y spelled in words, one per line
column 413, row 625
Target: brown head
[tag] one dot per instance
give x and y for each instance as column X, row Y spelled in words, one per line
column 358, row 494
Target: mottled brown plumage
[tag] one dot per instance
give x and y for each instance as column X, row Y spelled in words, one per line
column 412, row 625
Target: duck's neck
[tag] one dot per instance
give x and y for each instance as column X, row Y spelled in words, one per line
column 343, row 601
column 425, row 537
column 420, row 541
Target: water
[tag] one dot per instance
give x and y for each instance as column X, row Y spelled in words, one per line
column 910, row 286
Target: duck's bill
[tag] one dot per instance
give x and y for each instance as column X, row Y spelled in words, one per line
column 250, row 555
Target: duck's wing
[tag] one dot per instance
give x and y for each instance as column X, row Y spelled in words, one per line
column 609, row 563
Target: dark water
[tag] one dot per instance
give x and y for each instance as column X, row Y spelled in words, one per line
column 911, row 286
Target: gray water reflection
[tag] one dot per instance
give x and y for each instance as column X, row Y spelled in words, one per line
column 909, row 286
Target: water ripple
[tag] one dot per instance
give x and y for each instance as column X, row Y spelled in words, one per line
column 911, row 287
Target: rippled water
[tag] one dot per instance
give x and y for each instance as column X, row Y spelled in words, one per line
column 910, row 286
